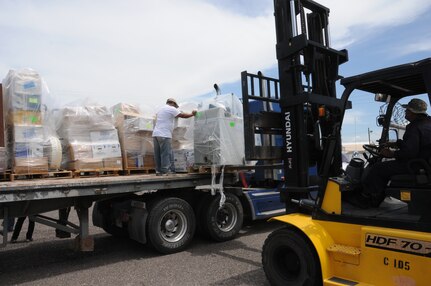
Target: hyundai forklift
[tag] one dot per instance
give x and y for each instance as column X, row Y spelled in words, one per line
column 326, row 240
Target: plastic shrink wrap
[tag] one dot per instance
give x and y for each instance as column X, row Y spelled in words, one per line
column 219, row 132
column 183, row 140
column 135, row 135
column 3, row 159
column 22, row 94
column 89, row 139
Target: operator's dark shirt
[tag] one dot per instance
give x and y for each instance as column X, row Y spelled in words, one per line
column 416, row 141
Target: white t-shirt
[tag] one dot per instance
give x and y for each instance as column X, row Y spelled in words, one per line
column 165, row 121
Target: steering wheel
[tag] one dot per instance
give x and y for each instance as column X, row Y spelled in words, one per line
column 372, row 149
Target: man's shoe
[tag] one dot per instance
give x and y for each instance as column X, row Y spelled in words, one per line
column 29, row 239
column 62, row 234
column 13, row 241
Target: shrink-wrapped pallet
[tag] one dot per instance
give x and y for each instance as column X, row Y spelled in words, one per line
column 89, row 139
column 3, row 159
column 25, row 134
column 135, row 135
column 183, row 140
column 219, row 133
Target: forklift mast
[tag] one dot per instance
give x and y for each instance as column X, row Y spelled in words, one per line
column 309, row 113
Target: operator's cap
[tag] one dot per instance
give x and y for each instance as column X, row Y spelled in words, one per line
column 173, row 101
column 417, row 106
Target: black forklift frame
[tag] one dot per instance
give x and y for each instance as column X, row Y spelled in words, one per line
column 311, row 114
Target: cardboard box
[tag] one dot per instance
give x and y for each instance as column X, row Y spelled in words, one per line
column 134, row 161
column 149, row 162
column 145, row 124
column 87, row 118
column 26, row 82
column 102, row 150
column 113, row 163
column 104, row 136
column 28, row 133
column 29, row 102
column 28, row 165
column 88, row 164
column 130, row 142
column 125, row 109
column 28, row 150
column 25, row 117
column 183, row 160
column 80, row 151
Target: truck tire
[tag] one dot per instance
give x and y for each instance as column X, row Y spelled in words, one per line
column 221, row 224
column 288, row 258
column 171, row 225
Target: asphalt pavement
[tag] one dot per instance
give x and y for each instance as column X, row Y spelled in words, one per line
column 51, row 261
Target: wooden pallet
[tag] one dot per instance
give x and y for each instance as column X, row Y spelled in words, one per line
column 40, row 175
column 5, row 176
column 95, row 173
column 60, row 175
column 203, row 169
column 137, row 171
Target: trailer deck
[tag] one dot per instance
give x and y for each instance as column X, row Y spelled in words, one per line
column 33, row 197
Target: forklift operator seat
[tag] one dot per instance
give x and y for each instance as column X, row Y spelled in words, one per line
column 419, row 175
column 413, row 188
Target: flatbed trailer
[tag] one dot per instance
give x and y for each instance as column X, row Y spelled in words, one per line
column 134, row 193
column 163, row 211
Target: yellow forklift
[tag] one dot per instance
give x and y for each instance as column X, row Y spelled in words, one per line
column 326, row 240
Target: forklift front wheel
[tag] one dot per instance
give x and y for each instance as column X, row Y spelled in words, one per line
column 289, row 259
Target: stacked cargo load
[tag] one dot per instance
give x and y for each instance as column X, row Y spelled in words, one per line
column 89, row 139
column 24, row 129
column 3, row 154
column 219, row 132
column 135, row 135
column 182, row 140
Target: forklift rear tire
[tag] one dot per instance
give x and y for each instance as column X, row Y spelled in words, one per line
column 221, row 224
column 288, row 258
column 171, row 225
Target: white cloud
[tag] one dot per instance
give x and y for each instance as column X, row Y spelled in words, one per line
column 424, row 45
column 145, row 51
column 135, row 51
column 353, row 21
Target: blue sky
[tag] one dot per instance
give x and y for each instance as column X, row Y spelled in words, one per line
column 142, row 51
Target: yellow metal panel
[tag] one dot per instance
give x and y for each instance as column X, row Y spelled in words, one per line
column 405, row 196
column 332, row 200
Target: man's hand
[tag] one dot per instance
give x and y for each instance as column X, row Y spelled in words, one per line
column 390, row 144
column 388, row 153
column 194, row 112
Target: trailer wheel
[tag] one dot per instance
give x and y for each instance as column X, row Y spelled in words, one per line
column 222, row 224
column 171, row 225
column 289, row 259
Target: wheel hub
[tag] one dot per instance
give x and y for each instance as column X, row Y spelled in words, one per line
column 170, row 225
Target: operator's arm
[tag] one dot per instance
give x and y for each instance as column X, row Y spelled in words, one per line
column 187, row 115
column 410, row 145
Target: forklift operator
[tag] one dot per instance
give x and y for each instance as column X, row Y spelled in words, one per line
column 416, row 143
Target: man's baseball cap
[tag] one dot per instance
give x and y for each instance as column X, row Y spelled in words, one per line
column 171, row 100
column 417, row 106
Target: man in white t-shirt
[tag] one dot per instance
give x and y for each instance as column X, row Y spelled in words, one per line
column 162, row 134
